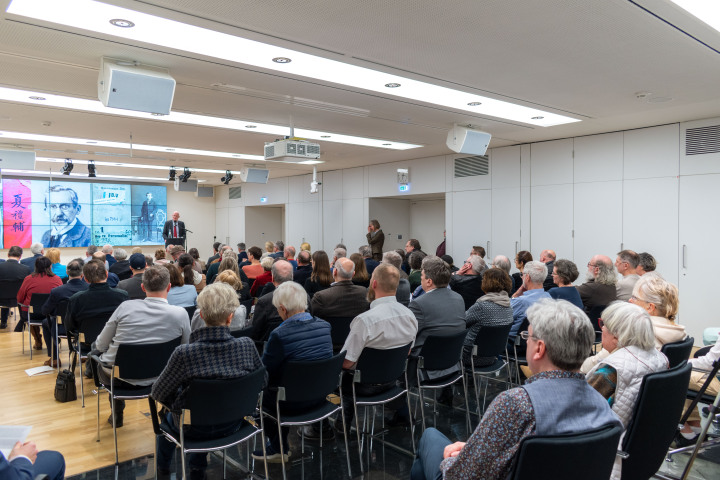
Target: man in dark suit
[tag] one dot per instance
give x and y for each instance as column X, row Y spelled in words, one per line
column 147, row 217
column 376, row 240
column 548, row 258
column 402, row 293
column 37, row 251
column 278, row 250
column 121, row 267
column 11, row 272
column 304, row 268
column 467, row 281
column 343, row 298
column 59, row 295
column 133, row 285
column 174, row 228
column 439, row 310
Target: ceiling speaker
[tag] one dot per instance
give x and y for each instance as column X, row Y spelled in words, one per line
column 254, row 175
column 189, row 186
column 17, row 160
column 130, row 87
column 466, row 140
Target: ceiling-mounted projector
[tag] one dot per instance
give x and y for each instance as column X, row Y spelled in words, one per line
column 466, row 140
column 291, row 150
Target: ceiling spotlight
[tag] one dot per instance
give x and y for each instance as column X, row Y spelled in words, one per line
column 91, row 169
column 122, row 23
column 228, row 176
column 171, row 174
column 537, row 118
column 250, row 126
column 281, row 60
column 185, row 175
column 392, row 85
column 474, row 104
column 35, row 97
column 67, row 168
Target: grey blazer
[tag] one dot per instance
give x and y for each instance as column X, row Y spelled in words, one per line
column 438, row 312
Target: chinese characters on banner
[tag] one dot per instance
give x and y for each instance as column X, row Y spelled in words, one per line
column 17, row 214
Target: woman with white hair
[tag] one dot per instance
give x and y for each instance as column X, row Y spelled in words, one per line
column 660, row 299
column 627, row 333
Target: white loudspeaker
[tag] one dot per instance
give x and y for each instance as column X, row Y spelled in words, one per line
column 17, row 160
column 254, row 175
column 189, row 186
column 466, row 140
column 129, row 87
column 205, row 192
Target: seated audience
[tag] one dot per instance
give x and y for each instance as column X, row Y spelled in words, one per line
column 214, row 268
column 112, row 279
column 59, row 294
column 320, row 278
column 548, row 258
column 492, row 309
column 42, row 280
column 186, row 264
column 450, row 261
column 300, row 336
column 555, row 400
column 25, row 462
column 305, row 247
column 149, row 260
column 290, row 256
column 370, row 262
column 264, row 278
column 180, row 294
column 254, row 269
column 503, row 263
column 11, row 271
column 304, row 268
column 343, row 298
column 58, row 269
column 242, row 252
column 626, row 264
column 522, row 257
column 402, row 292
column 646, row 263
column 266, row 317
column 415, row 260
column 198, row 265
column 412, row 245
column 136, row 250
column 240, row 319
column 121, row 267
column 401, row 252
column 278, row 250
column 37, row 251
column 211, row 353
column 133, row 285
column 361, row 277
column 269, row 249
column 564, row 274
column 216, row 254
column 660, row 298
column 468, row 280
column 109, row 257
column 149, row 321
column 160, row 257
column 627, row 333
column 598, row 291
column 699, row 375
column 531, row 291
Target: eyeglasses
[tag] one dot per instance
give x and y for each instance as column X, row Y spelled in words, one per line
column 637, row 299
column 525, row 335
column 592, row 265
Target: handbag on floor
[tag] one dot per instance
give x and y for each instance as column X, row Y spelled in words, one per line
column 65, row 387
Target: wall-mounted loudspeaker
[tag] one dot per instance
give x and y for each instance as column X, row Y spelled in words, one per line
column 189, row 186
column 254, row 175
column 205, row 192
column 466, row 140
column 129, row 87
column 17, row 160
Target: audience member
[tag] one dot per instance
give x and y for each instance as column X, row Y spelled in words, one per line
column 534, row 274
column 490, row 310
column 660, row 299
column 240, row 318
column 626, row 264
column 503, row 263
column 37, row 251
column 412, row 245
column 186, row 264
column 137, row 250
column 42, row 280
column 108, row 251
column 25, row 462
column 304, row 268
column 699, row 375
column 548, row 258
column 53, row 254
column 564, row 274
column 266, row 316
column 478, row 250
column 10, row 272
column 440, row 250
column 121, row 267
column 60, row 294
column 133, row 285
column 521, row 258
column 278, row 249
column 627, row 333
column 450, row 261
column 269, row 249
column 343, row 298
column 212, row 353
column 299, row 337
column 263, row 279
column 402, row 291
column 214, row 269
column 149, row 260
column 91, row 249
column 254, row 269
column 376, row 240
column 242, row 253
column 148, row 321
column 321, row 277
column 361, row 277
column 175, row 252
column 290, row 256
column 555, row 400
column 370, row 262
column 415, row 260
column 468, row 280
column 198, row 265
column 216, row 254
column 647, row 264
column 112, row 279
column 305, row 247
column 180, row 293
column 160, row 257
column 598, row 290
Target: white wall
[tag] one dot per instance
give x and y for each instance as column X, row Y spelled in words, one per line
column 263, row 224
column 427, row 222
column 394, row 218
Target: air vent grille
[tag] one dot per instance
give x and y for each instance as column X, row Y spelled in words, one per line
column 702, row 140
column 472, row 166
column 235, row 192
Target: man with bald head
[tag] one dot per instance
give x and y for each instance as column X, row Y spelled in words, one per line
column 548, row 258
column 266, row 317
column 173, row 228
column 343, row 298
column 599, row 288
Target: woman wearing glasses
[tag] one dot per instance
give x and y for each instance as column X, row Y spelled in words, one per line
column 660, row 299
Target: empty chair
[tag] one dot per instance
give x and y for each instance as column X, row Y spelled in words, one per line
column 8, row 293
column 678, row 352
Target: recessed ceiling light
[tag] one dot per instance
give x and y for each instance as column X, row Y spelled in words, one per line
column 537, row 118
column 89, row 141
column 170, row 149
column 387, row 144
column 166, row 33
column 474, row 104
column 157, row 114
column 35, row 97
column 324, row 136
column 122, row 23
column 282, row 60
column 250, row 126
column 392, row 85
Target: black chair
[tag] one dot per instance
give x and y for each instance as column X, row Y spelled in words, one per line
column 35, row 317
column 380, row 367
column 308, row 381
column 594, row 315
column 132, row 361
column 211, row 402
column 8, row 293
column 60, row 312
column 491, row 341
column 440, row 365
column 190, row 311
column 588, row 455
column 654, row 421
column 678, row 352
column 81, row 342
column 339, row 330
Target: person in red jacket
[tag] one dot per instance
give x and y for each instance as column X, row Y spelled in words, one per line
column 42, row 280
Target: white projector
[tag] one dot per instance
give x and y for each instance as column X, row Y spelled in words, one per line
column 291, row 151
column 466, row 140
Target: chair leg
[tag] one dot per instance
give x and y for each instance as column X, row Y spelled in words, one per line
column 422, row 407
column 282, row 447
column 82, row 383
column 98, row 419
column 262, row 438
column 347, row 447
column 112, row 412
column 224, row 465
column 357, row 431
column 182, row 456
column 467, row 406
column 412, row 425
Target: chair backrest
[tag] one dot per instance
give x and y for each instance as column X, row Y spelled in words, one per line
column 562, row 457
column 190, row 311
column 37, row 300
column 654, row 421
column 311, row 380
column 61, row 308
column 440, row 352
column 91, row 327
column 491, row 340
column 144, row 360
column 225, row 400
column 242, row 332
column 678, row 352
column 339, row 329
column 10, row 288
column 701, row 352
column 381, row 366
column 594, row 314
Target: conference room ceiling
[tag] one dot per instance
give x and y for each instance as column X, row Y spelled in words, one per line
column 583, row 59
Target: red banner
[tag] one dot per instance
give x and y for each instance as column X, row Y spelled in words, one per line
column 17, row 215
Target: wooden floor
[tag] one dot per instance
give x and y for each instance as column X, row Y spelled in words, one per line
column 66, row 427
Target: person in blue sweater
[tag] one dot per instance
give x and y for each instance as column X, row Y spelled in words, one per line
column 564, row 274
